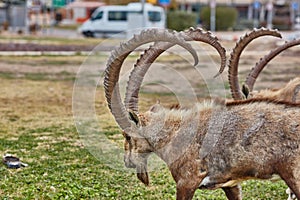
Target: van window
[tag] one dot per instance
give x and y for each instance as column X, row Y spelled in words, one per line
column 154, row 16
column 117, row 16
column 97, row 16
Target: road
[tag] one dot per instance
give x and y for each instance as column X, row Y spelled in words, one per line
column 227, row 36
column 59, row 32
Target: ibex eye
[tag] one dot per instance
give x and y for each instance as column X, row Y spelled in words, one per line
column 127, row 137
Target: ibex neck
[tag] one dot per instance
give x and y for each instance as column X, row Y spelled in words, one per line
column 171, row 134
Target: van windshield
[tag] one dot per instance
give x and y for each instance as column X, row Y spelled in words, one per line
column 117, row 16
column 97, row 16
column 154, row 16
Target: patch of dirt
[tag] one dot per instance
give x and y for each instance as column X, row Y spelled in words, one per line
column 43, row 47
column 24, row 68
column 174, row 71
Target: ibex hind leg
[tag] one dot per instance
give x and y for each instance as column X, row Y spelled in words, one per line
column 233, row 193
column 295, row 188
column 292, row 181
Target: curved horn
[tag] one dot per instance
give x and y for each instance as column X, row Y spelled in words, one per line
column 235, row 57
column 114, row 64
column 251, row 78
column 140, row 69
column 144, row 62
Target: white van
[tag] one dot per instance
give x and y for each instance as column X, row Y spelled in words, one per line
column 107, row 20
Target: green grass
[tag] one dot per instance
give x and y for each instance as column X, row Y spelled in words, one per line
column 37, row 125
column 60, row 168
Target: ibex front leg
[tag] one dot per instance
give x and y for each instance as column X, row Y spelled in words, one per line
column 292, row 181
column 233, row 193
column 184, row 193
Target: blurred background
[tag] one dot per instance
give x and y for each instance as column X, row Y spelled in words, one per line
column 45, row 43
column 46, row 16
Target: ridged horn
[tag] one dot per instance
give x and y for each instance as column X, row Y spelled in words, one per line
column 252, row 76
column 150, row 55
column 207, row 37
column 235, row 57
column 115, row 61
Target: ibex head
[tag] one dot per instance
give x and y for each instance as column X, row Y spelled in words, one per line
column 255, row 71
column 236, row 92
column 137, row 147
column 247, row 87
column 287, row 93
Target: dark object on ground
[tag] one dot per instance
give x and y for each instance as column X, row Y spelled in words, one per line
column 13, row 162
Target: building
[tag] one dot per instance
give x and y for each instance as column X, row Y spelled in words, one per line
column 13, row 14
column 281, row 14
column 80, row 11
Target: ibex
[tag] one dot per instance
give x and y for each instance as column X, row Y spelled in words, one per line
column 288, row 93
column 181, row 137
column 265, row 143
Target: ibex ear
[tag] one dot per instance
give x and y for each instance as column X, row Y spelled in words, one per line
column 133, row 117
column 246, row 91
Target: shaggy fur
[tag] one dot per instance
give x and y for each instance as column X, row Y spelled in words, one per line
column 288, row 93
column 236, row 142
column 265, row 143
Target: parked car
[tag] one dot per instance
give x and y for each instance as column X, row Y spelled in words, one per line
column 107, row 20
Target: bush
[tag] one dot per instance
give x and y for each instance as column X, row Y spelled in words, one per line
column 225, row 17
column 244, row 24
column 281, row 24
column 180, row 20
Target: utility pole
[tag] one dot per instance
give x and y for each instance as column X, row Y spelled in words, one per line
column 143, row 13
column 213, row 15
column 270, row 14
column 256, row 6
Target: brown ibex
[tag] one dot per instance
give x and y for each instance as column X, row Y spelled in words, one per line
column 265, row 142
column 288, row 93
column 181, row 136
